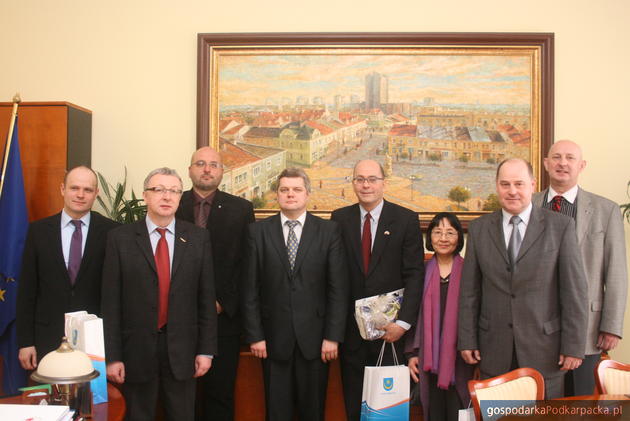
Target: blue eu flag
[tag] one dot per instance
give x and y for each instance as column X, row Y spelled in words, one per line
column 13, row 228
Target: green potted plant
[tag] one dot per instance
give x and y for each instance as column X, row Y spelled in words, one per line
column 114, row 203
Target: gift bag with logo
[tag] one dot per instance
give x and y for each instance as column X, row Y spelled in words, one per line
column 385, row 391
column 85, row 333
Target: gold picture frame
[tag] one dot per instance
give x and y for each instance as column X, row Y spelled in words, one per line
column 324, row 100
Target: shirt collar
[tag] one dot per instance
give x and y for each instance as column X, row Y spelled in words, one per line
column 301, row 219
column 523, row 215
column 374, row 213
column 66, row 219
column 151, row 226
column 197, row 199
column 570, row 195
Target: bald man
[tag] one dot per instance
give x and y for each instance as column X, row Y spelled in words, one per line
column 61, row 267
column 226, row 217
column 600, row 237
column 383, row 244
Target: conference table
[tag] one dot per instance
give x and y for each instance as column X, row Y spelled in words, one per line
column 114, row 410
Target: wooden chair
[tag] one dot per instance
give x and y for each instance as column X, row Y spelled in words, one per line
column 520, row 384
column 612, row 377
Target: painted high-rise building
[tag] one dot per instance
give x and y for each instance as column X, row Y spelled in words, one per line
column 376, row 90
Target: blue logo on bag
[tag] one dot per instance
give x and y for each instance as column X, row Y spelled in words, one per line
column 388, row 383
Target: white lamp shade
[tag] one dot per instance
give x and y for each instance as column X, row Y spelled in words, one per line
column 65, row 365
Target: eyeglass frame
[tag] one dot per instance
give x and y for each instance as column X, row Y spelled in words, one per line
column 371, row 180
column 163, row 190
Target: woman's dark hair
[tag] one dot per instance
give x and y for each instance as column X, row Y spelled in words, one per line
column 454, row 221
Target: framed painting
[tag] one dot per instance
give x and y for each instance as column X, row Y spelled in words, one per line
column 439, row 111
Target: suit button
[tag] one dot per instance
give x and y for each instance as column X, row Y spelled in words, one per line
column 510, row 325
column 513, row 295
column 509, row 269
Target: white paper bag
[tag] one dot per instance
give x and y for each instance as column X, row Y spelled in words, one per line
column 467, row 414
column 385, row 391
column 85, row 333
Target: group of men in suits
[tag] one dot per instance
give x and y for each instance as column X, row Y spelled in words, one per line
column 177, row 289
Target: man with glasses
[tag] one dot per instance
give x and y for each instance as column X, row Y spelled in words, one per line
column 226, row 218
column 158, row 305
column 383, row 243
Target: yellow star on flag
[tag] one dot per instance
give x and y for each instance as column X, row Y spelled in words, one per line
column 2, row 291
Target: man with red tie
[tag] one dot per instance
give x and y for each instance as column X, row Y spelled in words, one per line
column 600, row 236
column 158, row 305
column 384, row 247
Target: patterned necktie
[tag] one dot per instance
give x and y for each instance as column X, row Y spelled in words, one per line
column 202, row 214
column 556, row 203
column 74, row 258
column 366, row 242
column 515, row 240
column 163, row 264
column 292, row 243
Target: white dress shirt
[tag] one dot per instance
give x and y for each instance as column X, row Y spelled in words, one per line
column 522, row 226
column 154, row 236
column 297, row 229
column 375, row 215
column 569, row 195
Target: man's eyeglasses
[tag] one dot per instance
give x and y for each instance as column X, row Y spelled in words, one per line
column 163, row 190
column 370, row 180
column 212, row 164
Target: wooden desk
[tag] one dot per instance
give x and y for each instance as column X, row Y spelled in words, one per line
column 114, row 410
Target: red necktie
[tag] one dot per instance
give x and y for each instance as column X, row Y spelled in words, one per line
column 556, row 203
column 366, row 243
column 163, row 264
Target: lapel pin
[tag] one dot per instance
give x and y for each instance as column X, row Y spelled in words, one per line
column 219, row 206
column 386, row 233
column 182, row 240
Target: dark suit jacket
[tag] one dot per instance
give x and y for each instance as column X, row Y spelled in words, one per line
column 45, row 292
column 130, row 301
column 397, row 261
column 227, row 224
column 539, row 308
column 302, row 307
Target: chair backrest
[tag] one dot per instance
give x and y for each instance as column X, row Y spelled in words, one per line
column 612, row 377
column 520, row 384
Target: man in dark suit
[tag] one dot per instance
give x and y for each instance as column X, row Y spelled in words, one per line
column 600, row 237
column 295, row 297
column 158, row 305
column 61, row 267
column 383, row 243
column 523, row 290
column 226, row 218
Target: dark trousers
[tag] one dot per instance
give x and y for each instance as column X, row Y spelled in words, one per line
column 176, row 396
column 295, row 382
column 581, row 381
column 217, row 385
column 444, row 405
column 353, row 362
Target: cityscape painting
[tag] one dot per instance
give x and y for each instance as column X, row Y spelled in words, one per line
column 438, row 119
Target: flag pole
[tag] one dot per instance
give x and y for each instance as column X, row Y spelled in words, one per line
column 7, row 148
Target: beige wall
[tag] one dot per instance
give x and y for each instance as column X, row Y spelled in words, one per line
column 133, row 63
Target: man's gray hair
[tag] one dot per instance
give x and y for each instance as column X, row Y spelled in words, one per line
column 293, row 173
column 161, row 171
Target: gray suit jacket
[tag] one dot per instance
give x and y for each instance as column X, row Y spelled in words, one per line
column 539, row 308
column 600, row 236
